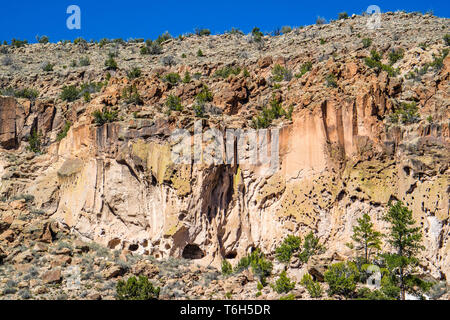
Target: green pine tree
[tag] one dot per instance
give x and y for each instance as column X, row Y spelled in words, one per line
column 366, row 237
column 406, row 241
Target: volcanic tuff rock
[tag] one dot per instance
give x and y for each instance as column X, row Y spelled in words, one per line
column 340, row 153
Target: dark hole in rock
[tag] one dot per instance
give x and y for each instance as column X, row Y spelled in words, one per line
column 341, row 195
column 192, row 251
column 231, row 255
column 133, row 247
column 407, row 170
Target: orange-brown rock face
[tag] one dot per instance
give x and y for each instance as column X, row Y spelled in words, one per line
column 12, row 116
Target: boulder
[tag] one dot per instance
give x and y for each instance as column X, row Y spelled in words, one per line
column 52, row 276
column 23, row 257
column 264, row 62
column 113, row 271
column 145, row 268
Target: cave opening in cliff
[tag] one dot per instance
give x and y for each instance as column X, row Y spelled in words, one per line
column 133, row 247
column 231, row 255
column 192, row 252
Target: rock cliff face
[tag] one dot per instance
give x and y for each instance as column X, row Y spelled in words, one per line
column 340, row 154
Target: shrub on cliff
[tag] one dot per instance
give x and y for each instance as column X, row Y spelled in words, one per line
column 43, row 39
column 47, row 66
column 63, row 133
column 331, row 81
column 187, row 77
column 306, row 67
column 26, row 93
column 199, row 110
column 227, row 71
column 110, row 63
column 79, row 40
column 168, row 61
column 151, row 47
column 131, row 95
column 257, row 35
column 144, row 50
column 258, row 262
column 342, row 16
column 235, row 31
column 367, row 294
column 163, row 38
column 35, row 141
column 367, row 42
column 280, row 73
column 172, row 78
column 267, row 115
column 136, row 289
column 227, row 268
column 134, row 73
column 286, row 29
column 283, row 284
column 438, row 61
column 18, row 43
column 204, row 95
column 314, row 289
column 447, row 39
column 69, row 93
column 374, row 62
column 436, row 64
column 174, row 103
column 202, row 32
column 288, row 247
column 276, row 32
column 395, row 55
column 105, row 116
column 311, row 247
column 91, row 87
column 342, row 278
column 405, row 113
column 84, row 62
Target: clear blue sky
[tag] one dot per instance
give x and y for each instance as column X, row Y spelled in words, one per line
column 147, row 19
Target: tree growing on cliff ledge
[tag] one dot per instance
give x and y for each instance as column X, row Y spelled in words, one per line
column 290, row 245
column 406, row 240
column 311, row 247
column 365, row 236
